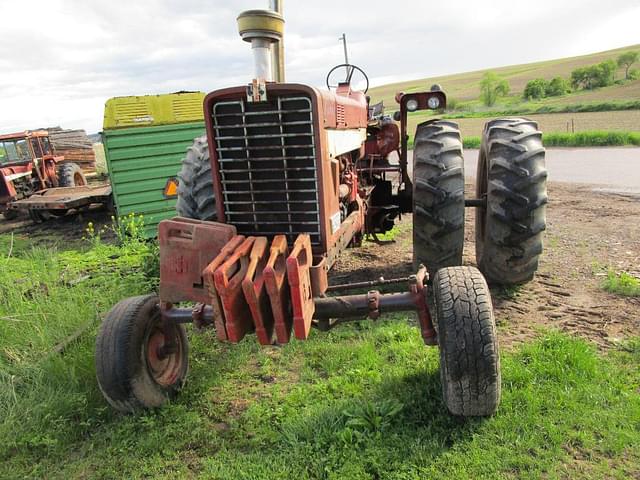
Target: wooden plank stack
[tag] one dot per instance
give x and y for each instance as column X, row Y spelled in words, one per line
column 75, row 146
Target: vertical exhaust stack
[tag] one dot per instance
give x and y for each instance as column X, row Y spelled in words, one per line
column 262, row 28
column 278, row 47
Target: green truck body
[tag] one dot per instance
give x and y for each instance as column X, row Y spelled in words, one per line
column 145, row 139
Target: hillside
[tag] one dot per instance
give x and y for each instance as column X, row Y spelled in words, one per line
column 464, row 87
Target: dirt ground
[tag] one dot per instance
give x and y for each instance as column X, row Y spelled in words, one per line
column 588, row 232
column 65, row 231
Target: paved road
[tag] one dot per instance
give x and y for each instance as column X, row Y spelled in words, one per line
column 615, row 169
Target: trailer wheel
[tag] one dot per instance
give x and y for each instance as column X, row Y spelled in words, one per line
column 438, row 196
column 195, row 183
column 39, row 216
column 469, row 358
column 10, row 214
column 132, row 373
column 513, row 178
column 71, row 175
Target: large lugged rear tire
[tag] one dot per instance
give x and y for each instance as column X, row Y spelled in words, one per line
column 131, row 372
column 438, row 196
column 195, row 183
column 71, row 175
column 513, row 177
column 469, row 357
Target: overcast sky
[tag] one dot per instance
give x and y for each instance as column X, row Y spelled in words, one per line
column 61, row 60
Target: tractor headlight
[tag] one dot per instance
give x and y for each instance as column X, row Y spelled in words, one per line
column 433, row 102
column 412, row 104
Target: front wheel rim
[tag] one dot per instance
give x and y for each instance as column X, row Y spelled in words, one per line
column 164, row 369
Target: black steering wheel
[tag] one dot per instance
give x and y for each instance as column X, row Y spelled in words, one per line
column 349, row 71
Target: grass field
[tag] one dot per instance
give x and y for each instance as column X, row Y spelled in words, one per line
column 598, row 138
column 360, row 402
column 622, row 284
column 622, row 121
column 464, row 87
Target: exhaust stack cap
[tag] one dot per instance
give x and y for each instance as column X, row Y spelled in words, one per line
column 261, row 28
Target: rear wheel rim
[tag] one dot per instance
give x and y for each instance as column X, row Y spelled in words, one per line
column 481, row 212
column 78, row 179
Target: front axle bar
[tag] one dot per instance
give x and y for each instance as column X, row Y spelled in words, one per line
column 332, row 310
column 344, row 306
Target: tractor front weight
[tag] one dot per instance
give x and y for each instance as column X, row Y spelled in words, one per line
column 241, row 285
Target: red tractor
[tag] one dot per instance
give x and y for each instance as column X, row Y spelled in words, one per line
column 287, row 177
column 28, row 164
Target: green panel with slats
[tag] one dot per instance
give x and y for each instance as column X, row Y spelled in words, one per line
column 140, row 160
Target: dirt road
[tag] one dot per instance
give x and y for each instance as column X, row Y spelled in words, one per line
column 615, row 168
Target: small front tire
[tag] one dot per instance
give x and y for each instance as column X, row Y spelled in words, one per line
column 469, row 357
column 132, row 372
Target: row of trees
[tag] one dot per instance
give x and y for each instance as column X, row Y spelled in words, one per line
column 592, row 76
column 603, row 74
column 540, row 88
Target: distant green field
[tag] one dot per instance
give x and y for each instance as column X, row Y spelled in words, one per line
column 465, row 87
column 592, row 138
column 618, row 121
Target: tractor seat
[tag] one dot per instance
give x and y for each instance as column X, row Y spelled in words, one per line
column 376, row 111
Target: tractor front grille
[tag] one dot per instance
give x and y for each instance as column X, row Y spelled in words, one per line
column 267, row 161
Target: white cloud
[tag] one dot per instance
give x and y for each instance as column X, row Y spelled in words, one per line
column 61, row 60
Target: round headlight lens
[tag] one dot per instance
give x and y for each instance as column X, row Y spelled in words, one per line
column 412, row 105
column 433, row 102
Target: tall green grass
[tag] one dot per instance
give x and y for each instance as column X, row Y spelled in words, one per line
column 591, row 139
column 622, row 284
column 471, row 142
column 362, row 401
column 51, row 303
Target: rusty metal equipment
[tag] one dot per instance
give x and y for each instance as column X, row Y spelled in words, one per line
column 59, row 200
column 289, row 177
column 29, row 164
column 144, row 139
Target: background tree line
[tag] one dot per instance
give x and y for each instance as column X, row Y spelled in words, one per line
column 593, row 76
